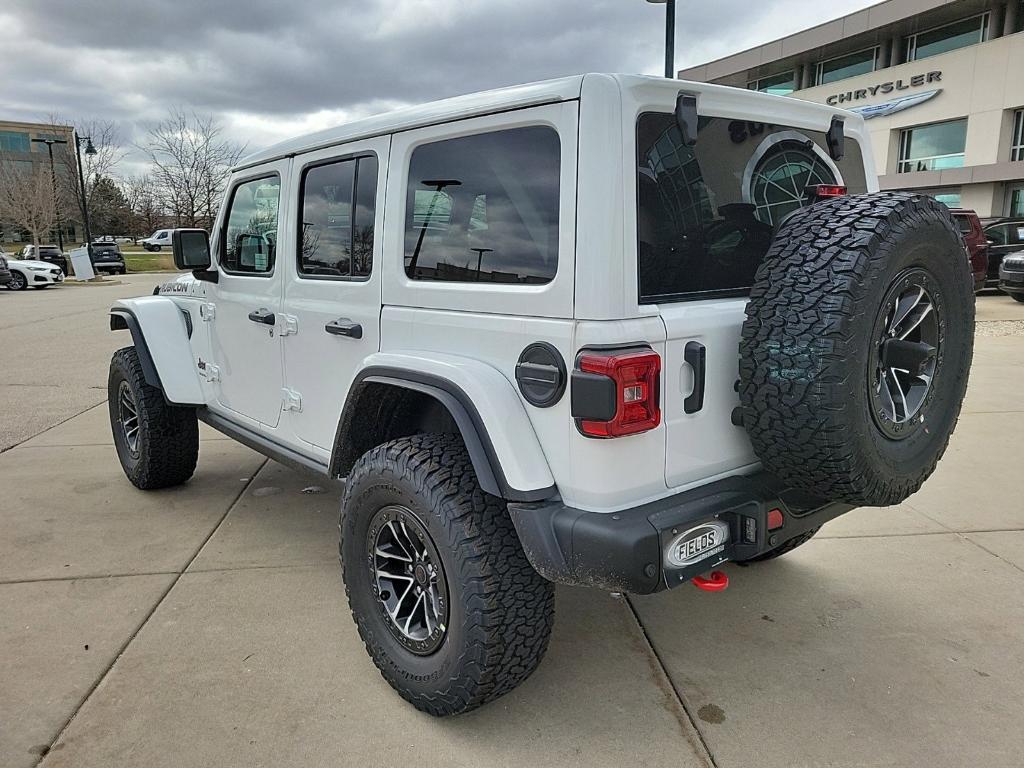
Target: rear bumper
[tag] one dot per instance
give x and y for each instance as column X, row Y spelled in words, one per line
column 628, row 551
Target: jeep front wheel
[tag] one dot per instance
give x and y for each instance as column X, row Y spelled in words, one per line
column 157, row 443
column 448, row 606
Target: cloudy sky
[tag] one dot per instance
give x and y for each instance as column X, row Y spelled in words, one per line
column 270, row 69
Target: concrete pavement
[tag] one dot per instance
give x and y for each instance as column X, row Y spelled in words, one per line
column 206, row 625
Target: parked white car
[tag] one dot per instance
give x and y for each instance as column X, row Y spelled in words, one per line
column 608, row 331
column 30, row 273
column 158, row 240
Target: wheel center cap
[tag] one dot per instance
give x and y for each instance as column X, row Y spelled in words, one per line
column 420, row 574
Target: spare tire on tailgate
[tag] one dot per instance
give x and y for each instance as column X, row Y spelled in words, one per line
column 856, row 347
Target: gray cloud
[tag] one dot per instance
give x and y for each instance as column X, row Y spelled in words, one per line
column 270, row 66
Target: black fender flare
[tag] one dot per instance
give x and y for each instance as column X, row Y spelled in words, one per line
column 463, row 412
column 123, row 319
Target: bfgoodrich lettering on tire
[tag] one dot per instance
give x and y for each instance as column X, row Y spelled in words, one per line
column 449, row 608
column 856, row 348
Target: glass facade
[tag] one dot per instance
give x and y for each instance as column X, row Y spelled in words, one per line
column 14, row 141
column 1017, row 141
column 933, row 147
column 1016, row 202
column 946, row 38
column 782, row 84
column 842, row 67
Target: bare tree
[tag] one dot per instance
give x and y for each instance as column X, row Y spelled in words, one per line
column 27, row 200
column 191, row 159
column 106, row 139
column 147, row 215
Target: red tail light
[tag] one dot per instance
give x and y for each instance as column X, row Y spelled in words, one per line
column 818, row 191
column 634, row 377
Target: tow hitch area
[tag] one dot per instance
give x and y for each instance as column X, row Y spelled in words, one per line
column 716, row 583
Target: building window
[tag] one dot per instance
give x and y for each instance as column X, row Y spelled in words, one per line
column 13, row 141
column 933, row 147
column 778, row 85
column 842, row 67
column 1016, row 202
column 1017, row 142
column 947, row 38
column 948, row 196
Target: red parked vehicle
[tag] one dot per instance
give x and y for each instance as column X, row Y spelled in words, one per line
column 976, row 242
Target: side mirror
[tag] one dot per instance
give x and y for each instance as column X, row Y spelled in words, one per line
column 191, row 248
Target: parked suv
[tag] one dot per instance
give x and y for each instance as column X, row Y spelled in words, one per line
column 107, row 257
column 975, row 242
column 605, row 330
column 48, row 253
column 1005, row 236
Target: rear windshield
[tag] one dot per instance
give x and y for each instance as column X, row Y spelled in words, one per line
column 706, row 214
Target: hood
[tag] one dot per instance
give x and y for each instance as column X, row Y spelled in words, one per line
column 26, row 263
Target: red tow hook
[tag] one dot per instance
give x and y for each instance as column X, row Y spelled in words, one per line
column 716, row 583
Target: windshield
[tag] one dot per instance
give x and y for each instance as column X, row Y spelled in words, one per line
column 706, row 214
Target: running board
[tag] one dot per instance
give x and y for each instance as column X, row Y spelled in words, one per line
column 261, row 443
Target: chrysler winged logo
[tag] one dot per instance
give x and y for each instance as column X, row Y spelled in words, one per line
column 895, row 105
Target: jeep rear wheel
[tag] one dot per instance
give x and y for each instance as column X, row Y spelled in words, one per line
column 448, row 606
column 857, row 345
column 157, row 443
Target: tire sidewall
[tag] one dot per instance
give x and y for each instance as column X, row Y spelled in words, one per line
column 364, row 496
column 927, row 247
column 131, row 462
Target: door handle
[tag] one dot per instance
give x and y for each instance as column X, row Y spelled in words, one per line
column 695, row 354
column 263, row 316
column 344, row 327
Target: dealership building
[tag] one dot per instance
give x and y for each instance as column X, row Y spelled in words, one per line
column 940, row 83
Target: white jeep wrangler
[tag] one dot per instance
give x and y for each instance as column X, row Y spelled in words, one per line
column 604, row 330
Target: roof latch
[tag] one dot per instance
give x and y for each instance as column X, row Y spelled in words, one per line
column 686, row 117
column 835, row 139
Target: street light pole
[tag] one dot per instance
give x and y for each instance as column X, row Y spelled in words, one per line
column 670, row 36
column 89, row 150
column 53, row 182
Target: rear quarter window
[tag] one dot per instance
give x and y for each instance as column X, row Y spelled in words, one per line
column 484, row 208
column 706, row 214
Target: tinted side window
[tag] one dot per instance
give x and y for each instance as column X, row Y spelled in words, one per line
column 249, row 245
column 706, row 214
column 998, row 235
column 484, row 208
column 337, row 213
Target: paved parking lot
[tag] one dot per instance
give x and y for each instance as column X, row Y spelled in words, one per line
column 206, row 625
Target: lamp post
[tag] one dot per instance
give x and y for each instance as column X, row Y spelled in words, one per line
column 53, row 182
column 89, row 150
column 670, row 36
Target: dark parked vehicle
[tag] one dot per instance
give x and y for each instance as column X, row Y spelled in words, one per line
column 976, row 243
column 107, row 257
column 48, row 253
column 1011, row 276
column 1005, row 236
column 5, row 272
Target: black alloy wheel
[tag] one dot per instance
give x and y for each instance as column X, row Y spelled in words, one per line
column 907, row 337
column 407, row 579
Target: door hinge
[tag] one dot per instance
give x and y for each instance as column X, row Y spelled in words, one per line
column 208, row 371
column 289, row 325
column 291, row 400
column 207, row 312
